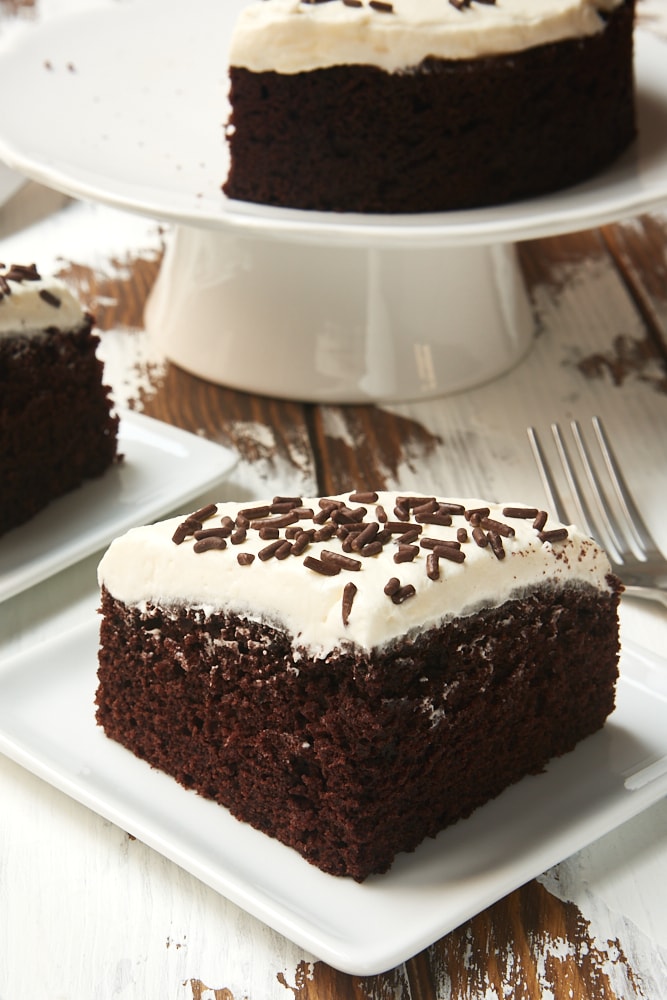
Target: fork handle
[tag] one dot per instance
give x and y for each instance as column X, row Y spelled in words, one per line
column 647, row 594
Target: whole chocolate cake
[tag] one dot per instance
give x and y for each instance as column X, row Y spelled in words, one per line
column 352, row 674
column 425, row 105
column 57, row 427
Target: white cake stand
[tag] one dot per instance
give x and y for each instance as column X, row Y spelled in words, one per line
column 125, row 104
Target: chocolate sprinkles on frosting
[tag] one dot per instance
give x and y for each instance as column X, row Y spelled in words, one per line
column 18, row 273
column 361, row 535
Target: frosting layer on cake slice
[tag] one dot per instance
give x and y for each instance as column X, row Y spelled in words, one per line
column 351, row 571
column 31, row 304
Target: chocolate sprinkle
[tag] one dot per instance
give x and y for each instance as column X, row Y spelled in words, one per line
column 406, row 553
column 439, row 543
column 430, row 507
column 211, row 533
column 366, row 535
column 301, row 543
column 204, row 513
column 540, row 520
column 403, row 593
column 269, row 550
column 442, row 519
column 50, row 298
column 556, row 535
column 325, row 567
column 209, row 542
column 409, row 536
column 522, row 512
column 502, row 529
column 480, row 537
column 23, row 272
column 398, row 527
column 185, row 529
column 449, row 552
column 475, row 514
column 250, row 513
column 363, row 497
column 268, row 532
column 372, row 549
column 349, row 593
column 496, row 543
column 344, row 562
column 291, row 501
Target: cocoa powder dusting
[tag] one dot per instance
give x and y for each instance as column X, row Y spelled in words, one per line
column 627, row 357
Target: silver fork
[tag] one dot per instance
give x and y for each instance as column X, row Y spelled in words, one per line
column 618, row 526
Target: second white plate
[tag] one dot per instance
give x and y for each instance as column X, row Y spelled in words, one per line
column 162, row 467
column 47, row 724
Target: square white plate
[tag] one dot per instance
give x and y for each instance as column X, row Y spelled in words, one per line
column 47, row 724
column 162, row 467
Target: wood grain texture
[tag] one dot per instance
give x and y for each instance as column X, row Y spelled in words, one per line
column 640, row 250
column 528, row 945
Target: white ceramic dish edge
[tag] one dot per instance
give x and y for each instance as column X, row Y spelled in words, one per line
column 162, row 467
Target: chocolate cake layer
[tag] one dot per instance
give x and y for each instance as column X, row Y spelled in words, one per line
column 57, row 428
column 448, row 134
column 354, row 758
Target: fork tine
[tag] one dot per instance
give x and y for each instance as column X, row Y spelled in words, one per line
column 610, row 522
column 616, row 523
column 626, row 502
column 548, row 481
column 583, row 510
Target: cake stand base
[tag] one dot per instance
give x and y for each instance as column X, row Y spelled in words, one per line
column 338, row 324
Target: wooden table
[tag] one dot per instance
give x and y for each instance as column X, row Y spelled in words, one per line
column 88, row 912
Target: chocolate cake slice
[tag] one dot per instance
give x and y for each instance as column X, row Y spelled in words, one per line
column 352, row 674
column 57, row 426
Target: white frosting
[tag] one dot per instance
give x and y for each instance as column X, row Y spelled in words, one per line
column 290, row 36
column 25, row 310
column 146, row 567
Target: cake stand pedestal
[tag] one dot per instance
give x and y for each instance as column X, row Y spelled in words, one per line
column 338, row 323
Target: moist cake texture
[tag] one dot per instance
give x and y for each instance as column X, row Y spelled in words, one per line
column 57, row 427
column 425, row 105
column 352, row 674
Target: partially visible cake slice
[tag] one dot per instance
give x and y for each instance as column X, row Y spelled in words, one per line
column 352, row 674
column 57, row 426
column 425, row 105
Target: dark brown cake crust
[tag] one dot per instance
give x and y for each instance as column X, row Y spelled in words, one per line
column 57, row 428
column 353, row 759
column 451, row 135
